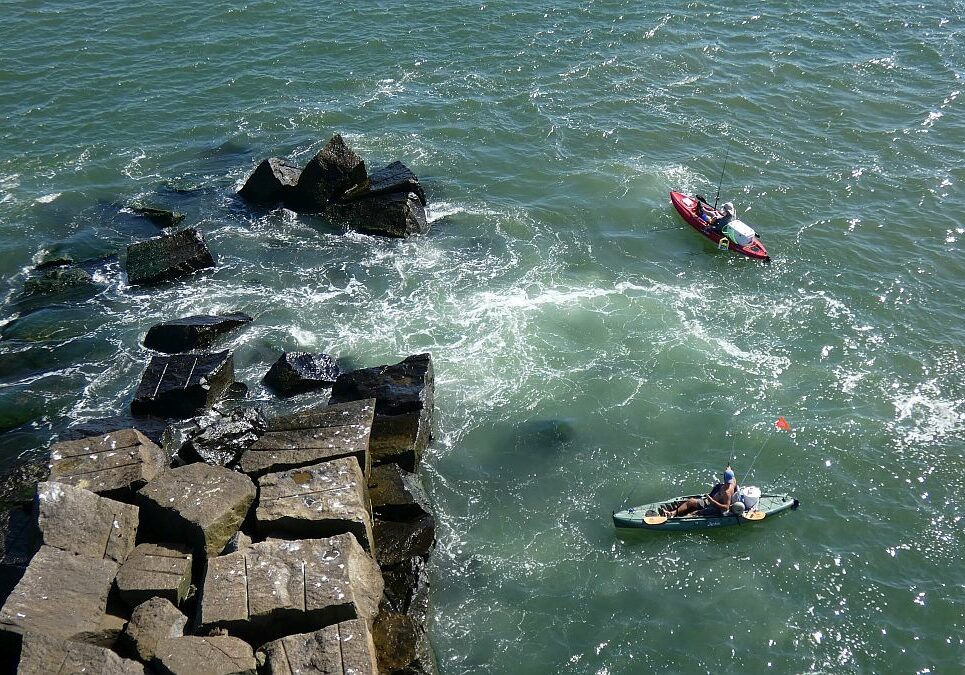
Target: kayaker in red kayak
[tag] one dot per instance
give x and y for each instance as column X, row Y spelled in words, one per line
column 718, row 221
column 714, row 504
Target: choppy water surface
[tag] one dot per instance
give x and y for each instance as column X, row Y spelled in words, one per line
column 589, row 349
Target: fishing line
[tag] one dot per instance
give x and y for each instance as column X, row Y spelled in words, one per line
column 751, row 467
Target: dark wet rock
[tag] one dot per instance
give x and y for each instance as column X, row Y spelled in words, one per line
column 152, row 427
column 160, row 217
column 52, row 260
column 19, row 540
column 272, row 181
column 192, row 332
column 56, row 580
column 57, row 285
column 78, row 521
column 397, row 494
column 313, row 436
column 214, row 655
column 398, row 541
column 298, row 372
column 333, row 171
column 407, row 589
column 315, row 501
column 151, row 622
column 222, row 439
column 397, row 214
column 115, row 465
column 198, row 504
column 156, row 570
column 277, row 588
column 168, row 257
column 396, row 177
column 344, row 648
column 182, row 385
column 404, row 395
column 18, row 485
column 402, row 645
column 42, row 654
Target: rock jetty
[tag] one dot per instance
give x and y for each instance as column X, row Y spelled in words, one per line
column 299, row 550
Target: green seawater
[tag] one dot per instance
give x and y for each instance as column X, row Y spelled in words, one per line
column 591, row 351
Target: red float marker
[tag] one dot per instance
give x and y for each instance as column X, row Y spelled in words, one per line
column 782, row 424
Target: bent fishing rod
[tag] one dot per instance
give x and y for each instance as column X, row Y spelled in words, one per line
column 716, row 198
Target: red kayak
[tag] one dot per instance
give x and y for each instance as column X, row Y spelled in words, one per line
column 738, row 235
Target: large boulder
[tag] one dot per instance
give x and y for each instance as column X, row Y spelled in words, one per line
column 315, row 501
column 160, row 217
column 395, row 214
column 192, row 332
column 168, row 257
column 277, row 588
column 396, row 177
column 298, row 372
column 199, row 504
column 155, row 571
column 54, row 581
column 213, row 655
column 402, row 645
column 344, row 648
column 313, row 436
column 59, row 283
column 404, row 401
column 182, row 385
column 222, row 438
column 151, row 622
column 329, row 174
column 397, row 494
column 272, row 181
column 43, row 654
column 114, row 465
column 77, row 520
column 397, row 541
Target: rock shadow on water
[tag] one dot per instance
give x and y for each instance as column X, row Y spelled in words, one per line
column 540, row 436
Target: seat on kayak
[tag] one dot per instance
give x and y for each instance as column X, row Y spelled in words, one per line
column 739, row 232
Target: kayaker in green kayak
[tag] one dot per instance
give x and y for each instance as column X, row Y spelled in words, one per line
column 716, row 503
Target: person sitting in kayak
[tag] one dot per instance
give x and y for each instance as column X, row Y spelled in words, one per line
column 717, row 503
column 717, row 220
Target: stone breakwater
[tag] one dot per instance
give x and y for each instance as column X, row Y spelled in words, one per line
column 200, row 533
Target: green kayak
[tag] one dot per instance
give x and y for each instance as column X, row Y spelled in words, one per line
column 648, row 516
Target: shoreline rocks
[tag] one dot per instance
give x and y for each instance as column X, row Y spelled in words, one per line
column 167, row 257
column 182, row 385
column 299, row 372
column 192, row 332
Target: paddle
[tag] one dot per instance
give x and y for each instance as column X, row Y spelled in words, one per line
column 753, row 515
column 655, row 520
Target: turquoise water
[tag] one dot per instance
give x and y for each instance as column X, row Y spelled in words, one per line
column 590, row 349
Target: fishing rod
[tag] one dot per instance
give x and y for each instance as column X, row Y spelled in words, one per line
column 721, row 177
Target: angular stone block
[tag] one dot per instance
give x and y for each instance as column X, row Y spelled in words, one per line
column 404, row 395
column 42, row 655
column 202, row 505
column 272, row 181
column 192, row 332
column 276, row 588
column 168, row 257
column 315, row 501
column 56, row 580
column 155, row 570
column 76, row 520
column 335, row 169
column 151, row 622
column 344, row 648
column 215, row 655
column 397, row 494
column 396, row 177
column 397, row 541
column 298, row 372
column 402, row 645
column 160, row 217
column 182, row 385
column 222, row 438
column 397, row 214
column 313, row 436
column 113, row 465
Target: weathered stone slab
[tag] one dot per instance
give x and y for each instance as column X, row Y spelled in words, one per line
column 192, row 332
column 344, row 648
column 397, row 541
column 203, row 505
column 215, row 655
column 315, row 501
column 76, row 520
column 151, row 622
column 155, row 570
column 397, row 494
column 56, row 580
column 271, row 181
column 313, row 436
column 298, row 372
column 404, row 395
column 396, row 177
column 397, row 214
column 168, row 257
column 113, row 465
column 276, row 588
column 160, row 217
column 335, row 169
column 182, row 385
column 42, row 655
